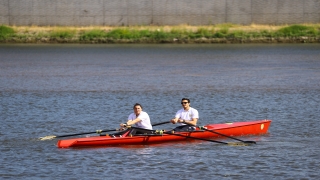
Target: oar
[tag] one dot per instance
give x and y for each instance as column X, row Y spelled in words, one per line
column 164, row 132
column 157, row 124
column 249, row 142
column 202, row 128
column 192, row 137
column 68, row 135
column 97, row 131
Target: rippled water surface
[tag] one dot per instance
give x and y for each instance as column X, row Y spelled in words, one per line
column 65, row 89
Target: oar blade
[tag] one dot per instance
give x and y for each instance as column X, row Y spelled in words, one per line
column 47, row 138
column 250, row 142
column 237, row 144
column 241, row 143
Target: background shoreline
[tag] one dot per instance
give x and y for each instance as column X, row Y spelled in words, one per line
column 183, row 34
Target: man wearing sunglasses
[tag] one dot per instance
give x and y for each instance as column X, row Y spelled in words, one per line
column 187, row 116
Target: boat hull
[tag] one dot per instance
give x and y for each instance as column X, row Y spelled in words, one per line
column 257, row 127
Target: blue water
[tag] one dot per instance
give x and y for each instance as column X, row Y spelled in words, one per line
column 65, row 89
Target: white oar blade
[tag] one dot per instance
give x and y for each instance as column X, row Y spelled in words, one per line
column 47, row 138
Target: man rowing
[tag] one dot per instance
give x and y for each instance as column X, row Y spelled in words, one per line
column 187, row 116
column 140, row 119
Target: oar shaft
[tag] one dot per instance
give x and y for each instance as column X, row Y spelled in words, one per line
column 192, row 137
column 157, row 124
column 223, row 135
column 186, row 136
column 98, row 131
column 67, row 135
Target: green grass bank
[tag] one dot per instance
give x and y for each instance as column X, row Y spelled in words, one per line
column 221, row 33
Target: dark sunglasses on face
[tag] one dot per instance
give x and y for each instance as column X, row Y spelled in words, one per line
column 184, row 102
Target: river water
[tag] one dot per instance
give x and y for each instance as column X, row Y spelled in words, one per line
column 66, row 89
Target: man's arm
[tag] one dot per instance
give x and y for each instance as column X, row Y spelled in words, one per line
column 131, row 122
column 192, row 122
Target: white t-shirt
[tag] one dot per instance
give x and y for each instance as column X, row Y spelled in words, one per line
column 187, row 114
column 145, row 120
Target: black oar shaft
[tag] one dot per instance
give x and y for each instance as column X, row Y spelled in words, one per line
column 227, row 136
column 67, row 135
column 223, row 135
column 186, row 122
column 98, row 131
column 157, row 124
column 192, row 137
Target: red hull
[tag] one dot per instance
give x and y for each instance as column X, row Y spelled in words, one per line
column 258, row 127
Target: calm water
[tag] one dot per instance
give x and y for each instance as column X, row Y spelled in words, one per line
column 65, row 89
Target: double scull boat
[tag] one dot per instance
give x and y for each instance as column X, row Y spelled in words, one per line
column 257, row 127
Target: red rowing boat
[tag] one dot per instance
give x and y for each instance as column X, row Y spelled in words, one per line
column 257, row 127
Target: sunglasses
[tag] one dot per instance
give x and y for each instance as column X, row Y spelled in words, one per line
column 184, row 102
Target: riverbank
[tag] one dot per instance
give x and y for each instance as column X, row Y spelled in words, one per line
column 222, row 33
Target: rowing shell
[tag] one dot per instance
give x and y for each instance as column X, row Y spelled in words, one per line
column 258, row 127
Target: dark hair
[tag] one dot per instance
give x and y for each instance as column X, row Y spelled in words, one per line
column 184, row 99
column 137, row 104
